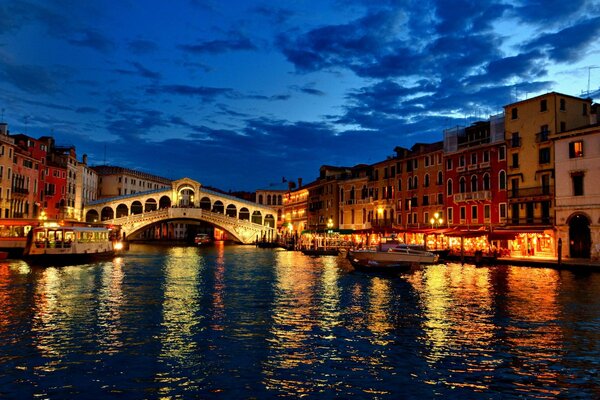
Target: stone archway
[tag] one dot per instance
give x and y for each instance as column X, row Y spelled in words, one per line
column 164, row 202
column 91, row 216
column 185, row 195
column 257, row 217
column 107, row 213
column 218, row 207
column 270, row 221
column 136, row 207
column 122, row 210
column 244, row 214
column 580, row 240
column 231, row 211
column 205, row 203
column 150, row 205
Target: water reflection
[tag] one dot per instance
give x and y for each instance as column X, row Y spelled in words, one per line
column 179, row 351
column 109, row 307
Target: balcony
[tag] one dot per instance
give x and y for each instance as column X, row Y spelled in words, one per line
column 18, row 190
column 542, row 137
column 460, row 169
column 515, row 142
column 483, row 195
column 530, row 221
column 516, row 193
column 484, row 164
column 472, row 167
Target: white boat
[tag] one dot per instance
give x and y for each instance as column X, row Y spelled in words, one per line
column 398, row 257
column 202, row 239
column 70, row 244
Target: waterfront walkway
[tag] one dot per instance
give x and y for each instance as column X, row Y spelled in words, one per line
column 575, row 264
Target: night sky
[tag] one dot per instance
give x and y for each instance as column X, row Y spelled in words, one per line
column 239, row 94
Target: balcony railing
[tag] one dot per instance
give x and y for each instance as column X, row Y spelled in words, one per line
column 483, row 195
column 515, row 142
column 530, row 221
column 542, row 137
column 530, row 192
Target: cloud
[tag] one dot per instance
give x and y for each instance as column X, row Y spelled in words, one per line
column 568, row 44
column 140, row 70
column 140, row 46
column 29, row 78
column 92, row 39
column 204, row 92
column 236, row 42
column 308, row 89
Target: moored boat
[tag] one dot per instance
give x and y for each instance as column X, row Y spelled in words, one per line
column 202, row 239
column 70, row 245
column 400, row 257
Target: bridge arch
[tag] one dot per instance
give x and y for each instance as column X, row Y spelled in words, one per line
column 122, row 210
column 257, row 217
column 231, row 211
column 244, row 214
column 107, row 213
column 164, row 202
column 136, row 208
column 270, row 221
column 91, row 216
column 218, row 207
column 205, row 203
column 150, row 205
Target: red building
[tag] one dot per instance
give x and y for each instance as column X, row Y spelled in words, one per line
column 54, row 191
column 28, row 176
column 475, row 174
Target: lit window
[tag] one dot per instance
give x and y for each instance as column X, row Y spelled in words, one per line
column 576, row 149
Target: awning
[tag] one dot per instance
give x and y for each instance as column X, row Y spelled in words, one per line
column 511, row 234
column 469, row 233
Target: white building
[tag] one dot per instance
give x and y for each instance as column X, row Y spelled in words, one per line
column 577, row 170
column 86, row 185
column 118, row 181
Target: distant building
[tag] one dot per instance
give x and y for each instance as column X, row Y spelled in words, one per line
column 354, row 199
column 86, row 185
column 295, row 205
column 323, row 198
column 273, row 197
column 27, row 173
column 118, row 181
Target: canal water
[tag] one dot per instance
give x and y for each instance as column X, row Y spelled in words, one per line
column 241, row 322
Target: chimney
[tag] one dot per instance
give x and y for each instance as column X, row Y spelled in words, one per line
column 3, row 128
column 299, row 183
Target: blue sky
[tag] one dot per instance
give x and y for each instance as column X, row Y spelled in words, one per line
column 238, row 94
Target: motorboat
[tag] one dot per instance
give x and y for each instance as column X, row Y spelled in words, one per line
column 202, row 239
column 400, row 256
column 70, row 245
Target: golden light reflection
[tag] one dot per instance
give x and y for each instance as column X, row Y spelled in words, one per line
column 378, row 322
column 109, row 308
column 218, row 305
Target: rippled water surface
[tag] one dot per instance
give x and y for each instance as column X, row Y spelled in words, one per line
column 241, row 322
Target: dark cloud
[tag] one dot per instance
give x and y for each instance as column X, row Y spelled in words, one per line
column 308, row 89
column 568, row 44
column 546, row 11
column 92, row 39
column 236, row 42
column 140, row 70
column 141, row 47
column 275, row 14
column 204, row 92
column 29, row 78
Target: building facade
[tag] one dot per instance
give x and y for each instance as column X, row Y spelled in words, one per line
column 86, row 185
column 7, row 149
column 118, row 181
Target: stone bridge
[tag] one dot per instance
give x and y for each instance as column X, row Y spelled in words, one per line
column 185, row 200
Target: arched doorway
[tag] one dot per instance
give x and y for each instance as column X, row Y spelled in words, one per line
column 186, row 197
column 257, row 217
column 580, row 240
column 205, row 203
column 269, row 221
column 91, row 216
column 218, row 207
column 244, row 214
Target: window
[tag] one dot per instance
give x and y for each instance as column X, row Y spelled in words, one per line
column 462, row 185
column 563, row 105
column 440, row 198
column 544, row 155
column 425, row 201
column 426, row 181
column 461, row 161
column 515, row 140
column 399, row 185
column 463, row 213
column 502, row 211
column 448, row 164
column 473, row 213
column 577, row 178
column 486, row 212
column 473, row 158
column 501, row 153
column 450, row 215
column 440, row 178
column 449, row 187
column 502, row 180
column 514, row 113
column 486, row 181
column 473, row 183
column 515, row 160
column 486, row 156
column 426, row 161
column 576, row 149
column 544, row 105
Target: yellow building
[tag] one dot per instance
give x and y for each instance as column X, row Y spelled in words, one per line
column 295, row 204
column 6, row 165
column 355, row 202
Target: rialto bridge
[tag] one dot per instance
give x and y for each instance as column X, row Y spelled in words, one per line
column 245, row 221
